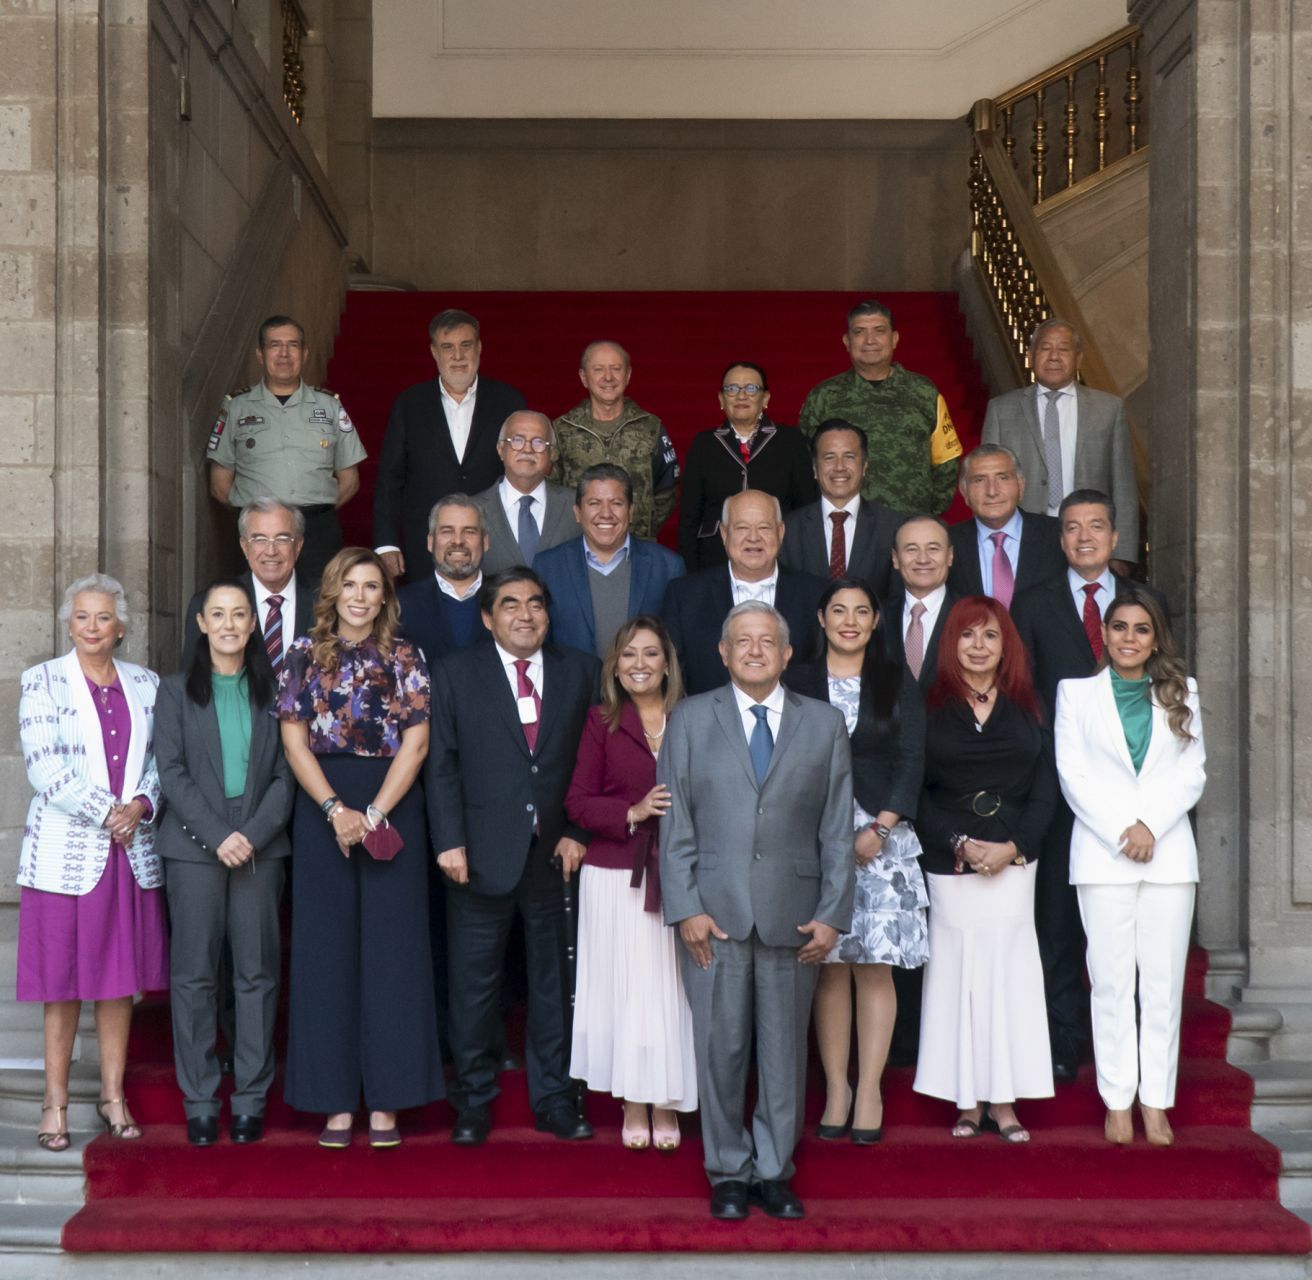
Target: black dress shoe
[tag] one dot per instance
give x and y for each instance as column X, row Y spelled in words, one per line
column 247, row 1128
column 777, row 1199
column 471, row 1127
column 563, row 1122
column 729, row 1201
column 203, row 1131
column 867, row 1137
column 1064, row 1069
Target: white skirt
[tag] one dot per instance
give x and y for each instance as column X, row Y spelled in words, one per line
column 983, row 1019
column 632, row 1024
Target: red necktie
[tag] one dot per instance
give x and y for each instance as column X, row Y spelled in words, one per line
column 526, row 690
column 273, row 633
column 838, row 545
column 745, row 448
column 1004, row 581
column 1093, row 620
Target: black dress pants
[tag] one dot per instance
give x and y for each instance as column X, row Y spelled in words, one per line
column 1061, row 939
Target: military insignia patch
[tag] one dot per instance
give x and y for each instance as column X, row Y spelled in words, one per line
column 344, row 422
column 250, row 442
column 320, row 415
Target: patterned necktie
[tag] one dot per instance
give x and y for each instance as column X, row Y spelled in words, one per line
column 273, row 633
column 761, row 746
column 1052, row 450
column 526, row 690
column 915, row 645
column 838, row 545
column 527, row 534
column 1004, row 581
column 1092, row 620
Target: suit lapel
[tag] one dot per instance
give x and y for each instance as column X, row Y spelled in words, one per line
column 262, row 729
column 1083, row 432
column 553, row 677
column 213, row 743
column 1029, row 412
column 480, row 423
column 1111, row 719
column 504, row 700
column 792, row 712
column 576, row 566
column 726, row 712
column 867, row 520
column 639, row 574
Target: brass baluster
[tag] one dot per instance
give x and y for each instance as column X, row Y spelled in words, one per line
column 1071, row 129
column 293, row 69
column 1039, row 148
column 1008, row 137
column 1101, row 114
column 1133, row 96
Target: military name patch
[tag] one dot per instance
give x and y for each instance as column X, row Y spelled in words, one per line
column 320, row 415
column 250, row 420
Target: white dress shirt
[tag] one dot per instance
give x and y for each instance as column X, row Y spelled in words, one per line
column 508, row 661
column 288, row 593
column 448, row 588
column 1102, row 597
column 774, row 710
column 1068, row 416
column 459, row 415
column 933, row 603
column 827, row 508
column 762, row 591
column 511, row 498
column 1011, row 545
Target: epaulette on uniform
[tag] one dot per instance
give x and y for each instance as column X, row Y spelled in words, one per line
column 326, row 392
column 232, row 395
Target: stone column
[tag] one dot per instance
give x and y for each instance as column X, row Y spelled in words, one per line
column 1230, row 284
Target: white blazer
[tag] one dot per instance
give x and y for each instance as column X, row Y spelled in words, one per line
column 65, row 846
column 1106, row 795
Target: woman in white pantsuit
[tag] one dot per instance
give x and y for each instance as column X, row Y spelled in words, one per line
column 1131, row 762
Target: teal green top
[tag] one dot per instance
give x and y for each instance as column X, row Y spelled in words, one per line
column 232, row 705
column 1134, row 705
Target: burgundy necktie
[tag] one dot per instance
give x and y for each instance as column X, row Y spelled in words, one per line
column 1004, row 581
column 838, row 545
column 273, row 633
column 526, row 690
column 915, row 644
column 745, row 448
column 1092, row 620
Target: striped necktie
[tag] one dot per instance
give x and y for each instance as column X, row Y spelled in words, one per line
column 273, row 633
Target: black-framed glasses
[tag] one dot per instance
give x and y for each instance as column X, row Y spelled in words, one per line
column 748, row 388
column 539, row 444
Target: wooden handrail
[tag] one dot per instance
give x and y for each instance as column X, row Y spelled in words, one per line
column 1055, row 74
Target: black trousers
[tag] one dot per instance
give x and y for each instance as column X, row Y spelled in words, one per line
column 323, row 540
column 1061, row 938
column 361, row 1014
column 478, row 929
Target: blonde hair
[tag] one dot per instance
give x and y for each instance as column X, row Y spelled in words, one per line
column 323, row 634
column 613, row 694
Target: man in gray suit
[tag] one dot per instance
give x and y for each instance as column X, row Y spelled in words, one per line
column 523, row 513
column 757, row 871
column 1067, row 436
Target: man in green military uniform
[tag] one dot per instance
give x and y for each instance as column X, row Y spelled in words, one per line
column 913, row 445
column 609, row 427
column 284, row 440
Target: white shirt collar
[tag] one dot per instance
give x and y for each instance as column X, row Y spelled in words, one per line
column 755, row 589
column 449, row 399
column 774, row 702
column 288, row 594
column 1040, row 390
column 933, row 602
column 510, row 496
column 852, row 506
column 449, row 589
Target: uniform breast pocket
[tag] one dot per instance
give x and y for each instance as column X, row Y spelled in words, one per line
column 251, row 436
column 317, row 448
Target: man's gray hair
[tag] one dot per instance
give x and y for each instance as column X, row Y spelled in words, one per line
column 1054, row 322
column 455, row 500
column 756, row 606
column 724, row 506
column 991, row 450
column 103, row 585
column 270, row 507
column 542, row 418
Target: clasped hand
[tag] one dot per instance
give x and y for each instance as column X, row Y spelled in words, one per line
column 350, row 827
column 123, row 819
column 655, row 804
column 988, row 856
column 1137, row 843
column 235, row 851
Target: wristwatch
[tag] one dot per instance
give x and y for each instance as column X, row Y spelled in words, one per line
column 881, row 831
column 329, row 805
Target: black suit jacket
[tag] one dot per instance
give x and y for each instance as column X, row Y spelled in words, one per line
column 424, row 623
column 695, row 607
column 1041, row 556
column 304, row 620
column 894, row 607
column 418, row 463
column 483, row 786
column 869, row 556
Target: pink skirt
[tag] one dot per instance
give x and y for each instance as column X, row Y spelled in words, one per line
column 102, row 945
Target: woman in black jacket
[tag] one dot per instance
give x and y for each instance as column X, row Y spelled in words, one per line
column 886, row 724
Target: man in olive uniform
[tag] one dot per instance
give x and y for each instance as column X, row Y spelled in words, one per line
column 284, row 440
column 608, row 427
column 913, row 445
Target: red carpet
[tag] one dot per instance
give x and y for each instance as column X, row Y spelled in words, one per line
column 1068, row 1191
column 679, row 343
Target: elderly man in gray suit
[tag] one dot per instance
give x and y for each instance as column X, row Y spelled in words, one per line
column 1067, row 436
column 757, row 872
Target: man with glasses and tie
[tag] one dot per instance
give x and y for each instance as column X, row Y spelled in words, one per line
column 1066, row 436
column 525, row 513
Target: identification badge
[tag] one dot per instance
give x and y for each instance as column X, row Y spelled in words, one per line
column 250, row 421
column 320, row 415
column 528, row 711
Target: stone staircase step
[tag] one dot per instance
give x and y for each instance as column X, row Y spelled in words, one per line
column 32, row 1176
column 21, row 1092
column 1282, row 1094
column 1295, row 1168
column 1252, row 1029
column 32, row 1229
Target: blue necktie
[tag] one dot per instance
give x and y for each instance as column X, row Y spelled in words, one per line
column 761, row 746
column 527, row 535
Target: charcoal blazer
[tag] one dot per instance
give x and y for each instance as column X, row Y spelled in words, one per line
column 418, row 463
column 503, row 541
column 291, row 628
column 894, row 644
column 1041, row 557
column 483, row 786
column 870, row 553
column 695, row 607
column 651, row 569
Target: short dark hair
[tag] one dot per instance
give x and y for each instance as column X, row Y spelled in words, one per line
column 487, row 593
column 870, row 307
column 451, row 318
column 830, row 425
column 277, row 322
column 1088, row 497
column 603, row 471
column 746, row 364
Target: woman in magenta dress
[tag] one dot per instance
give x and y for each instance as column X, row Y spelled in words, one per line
column 91, row 922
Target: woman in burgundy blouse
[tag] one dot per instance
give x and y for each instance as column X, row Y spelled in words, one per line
column 632, row 1025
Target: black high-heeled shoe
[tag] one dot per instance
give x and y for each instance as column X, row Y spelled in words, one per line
column 837, row 1132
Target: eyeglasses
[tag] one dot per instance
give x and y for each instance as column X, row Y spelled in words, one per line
column 260, row 540
column 539, row 444
column 748, row 388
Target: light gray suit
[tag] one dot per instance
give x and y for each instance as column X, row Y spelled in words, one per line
column 760, row 861
column 503, row 542
column 1103, row 458
column 208, row 903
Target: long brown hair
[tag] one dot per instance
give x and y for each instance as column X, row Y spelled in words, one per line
column 1013, row 674
column 1165, row 668
column 323, row 635
column 613, row 694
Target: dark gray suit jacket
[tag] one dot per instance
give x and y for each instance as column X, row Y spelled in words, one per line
column 306, row 593
column 502, row 541
column 870, row 553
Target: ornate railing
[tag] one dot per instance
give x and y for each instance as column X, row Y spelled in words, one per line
column 294, row 28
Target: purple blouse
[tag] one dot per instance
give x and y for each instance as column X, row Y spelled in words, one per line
column 363, row 707
column 111, row 705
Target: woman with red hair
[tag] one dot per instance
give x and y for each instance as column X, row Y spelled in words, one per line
column 989, row 791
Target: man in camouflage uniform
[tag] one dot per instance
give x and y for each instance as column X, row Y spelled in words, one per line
column 282, row 439
column 608, row 427
column 913, row 445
